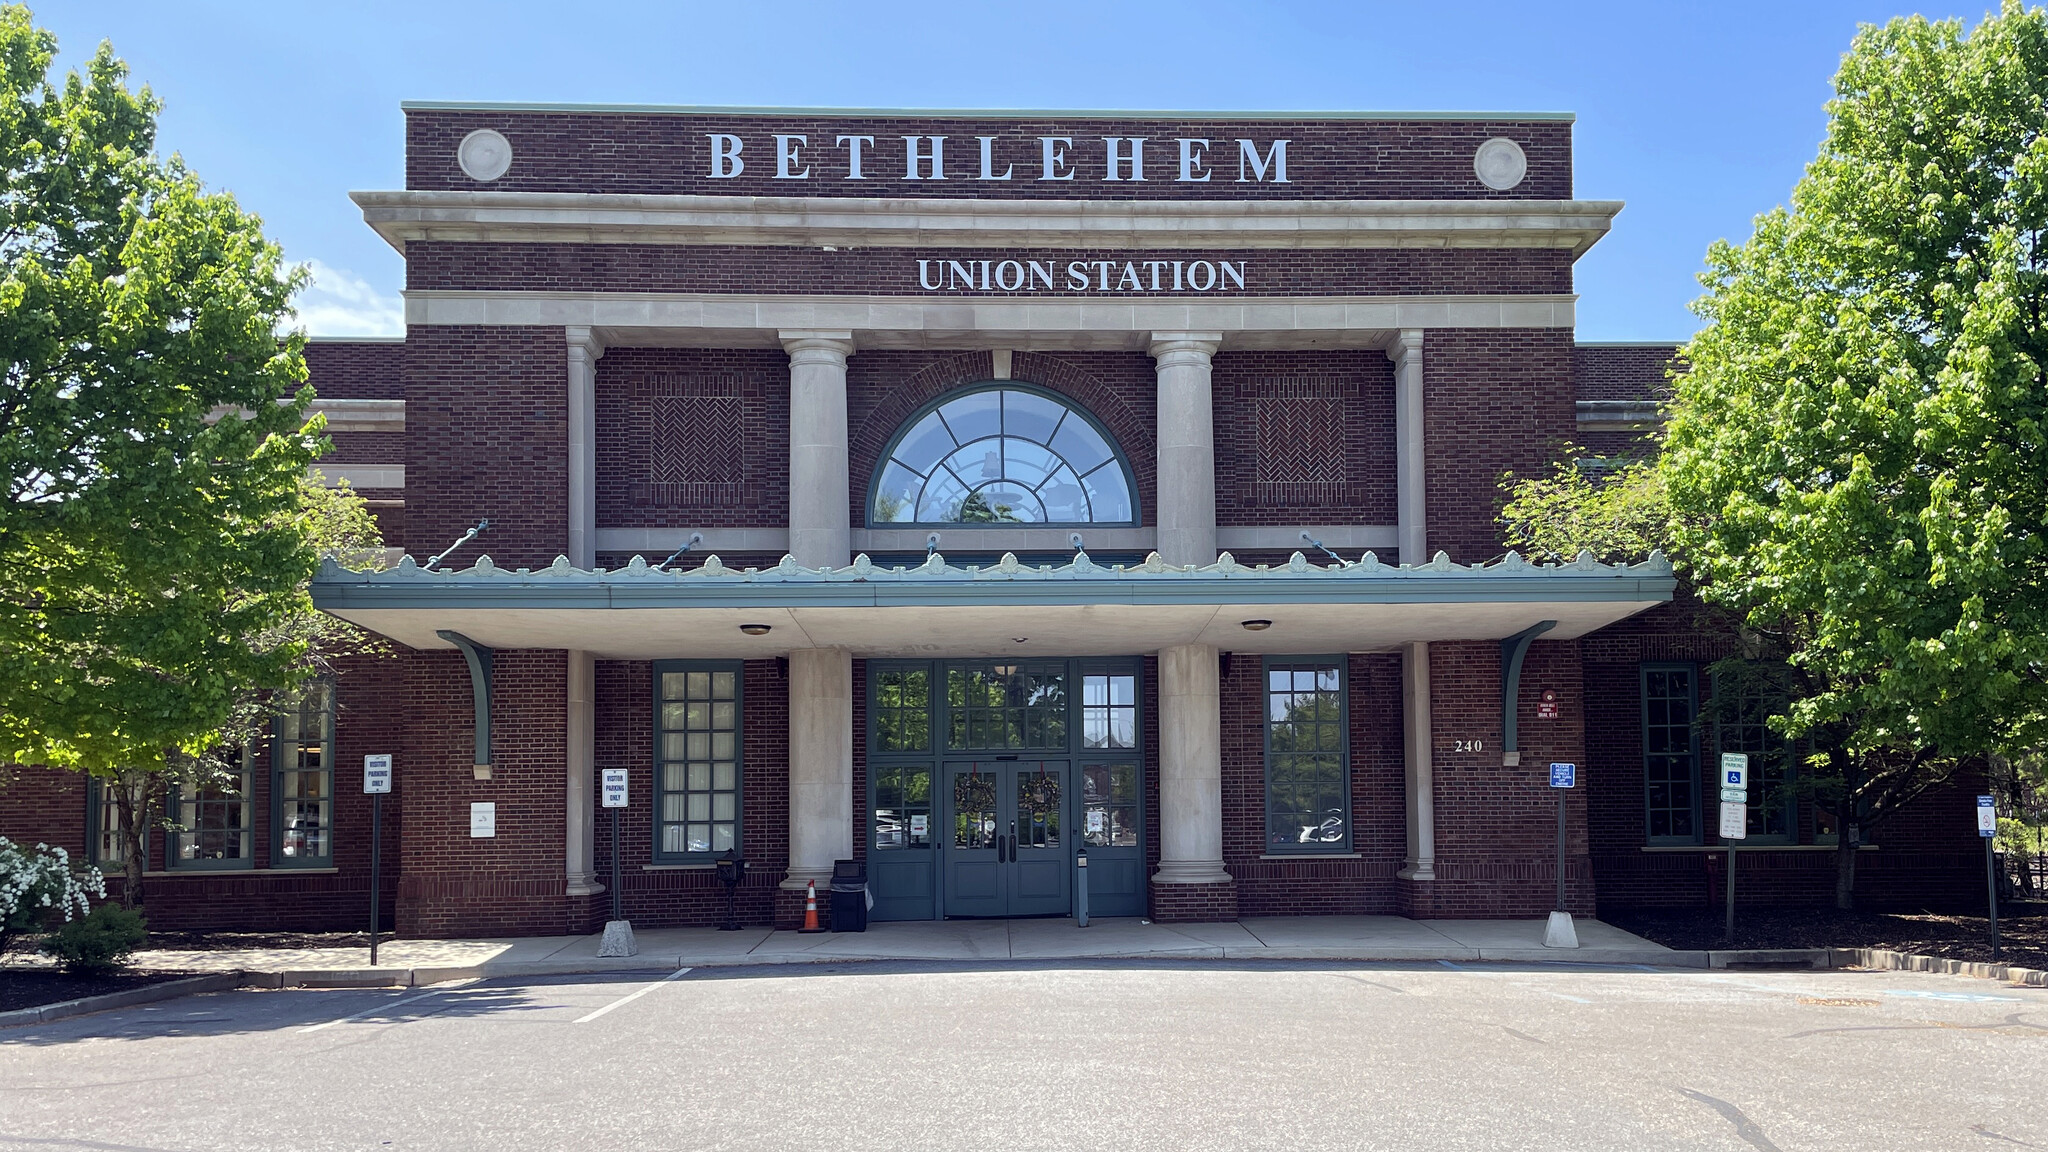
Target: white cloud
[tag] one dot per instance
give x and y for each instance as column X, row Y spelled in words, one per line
column 340, row 303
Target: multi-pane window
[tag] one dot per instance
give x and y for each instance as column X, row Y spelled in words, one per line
column 902, row 711
column 903, row 806
column 1109, row 711
column 698, row 746
column 1671, row 769
column 1022, row 705
column 1308, row 778
column 1109, row 805
column 107, row 850
column 1740, row 727
column 213, row 828
column 302, row 755
column 1003, row 455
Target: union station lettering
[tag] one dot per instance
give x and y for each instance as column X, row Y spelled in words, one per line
column 1080, row 275
column 1186, row 160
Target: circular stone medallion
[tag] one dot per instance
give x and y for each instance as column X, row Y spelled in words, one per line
column 1500, row 164
column 484, row 155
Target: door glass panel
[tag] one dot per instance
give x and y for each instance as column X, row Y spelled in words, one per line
column 1038, row 808
column 974, row 810
column 903, row 807
column 1020, row 705
column 1109, row 805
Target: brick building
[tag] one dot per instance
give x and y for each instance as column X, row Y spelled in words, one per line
column 960, row 491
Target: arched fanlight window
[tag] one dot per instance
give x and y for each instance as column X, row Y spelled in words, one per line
column 1003, row 454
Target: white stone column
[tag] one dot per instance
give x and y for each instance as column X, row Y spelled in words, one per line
column 820, row 763
column 1421, row 862
column 1406, row 353
column 1187, row 447
column 584, row 349
column 1190, row 767
column 582, row 704
column 818, row 491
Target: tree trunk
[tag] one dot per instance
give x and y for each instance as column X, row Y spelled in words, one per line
column 1845, row 868
column 131, row 808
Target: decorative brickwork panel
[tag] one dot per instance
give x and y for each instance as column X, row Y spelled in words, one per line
column 1495, row 401
column 884, row 388
column 692, row 438
column 493, row 266
column 1304, row 437
column 670, row 153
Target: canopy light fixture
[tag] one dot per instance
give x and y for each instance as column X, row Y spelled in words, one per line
column 1019, row 639
column 1255, row 625
column 755, row 629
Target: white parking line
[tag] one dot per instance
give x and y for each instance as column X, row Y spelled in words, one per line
column 386, row 1007
column 629, row 997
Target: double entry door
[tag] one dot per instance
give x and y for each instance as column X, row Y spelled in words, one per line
column 1005, row 846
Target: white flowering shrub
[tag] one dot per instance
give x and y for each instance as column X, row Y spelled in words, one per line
column 39, row 883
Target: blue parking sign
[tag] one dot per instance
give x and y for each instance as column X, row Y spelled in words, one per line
column 1563, row 775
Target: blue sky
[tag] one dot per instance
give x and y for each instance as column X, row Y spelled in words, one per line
column 1698, row 115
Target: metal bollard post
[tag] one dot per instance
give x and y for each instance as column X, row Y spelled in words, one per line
column 1081, row 889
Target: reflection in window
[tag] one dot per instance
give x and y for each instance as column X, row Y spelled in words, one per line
column 304, row 758
column 700, row 759
column 1109, row 805
column 903, row 806
column 1020, row 705
column 974, row 809
column 1741, row 728
column 1671, row 770
column 1038, row 808
column 1109, row 711
column 902, row 711
column 106, row 822
column 1003, row 456
column 1308, row 805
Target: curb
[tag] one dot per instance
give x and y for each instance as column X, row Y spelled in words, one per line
column 1886, row 960
column 147, row 994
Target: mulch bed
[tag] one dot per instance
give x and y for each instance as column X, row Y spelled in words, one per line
column 33, row 987
column 230, row 941
column 2023, row 931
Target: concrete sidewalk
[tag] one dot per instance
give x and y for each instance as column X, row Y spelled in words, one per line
column 1275, row 938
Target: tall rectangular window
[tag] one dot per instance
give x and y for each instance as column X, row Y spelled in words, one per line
column 1671, row 763
column 302, row 786
column 212, row 828
column 104, row 819
column 697, row 756
column 1740, row 727
column 1308, row 762
column 1109, row 711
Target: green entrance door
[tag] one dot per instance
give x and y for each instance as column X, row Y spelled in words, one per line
column 1005, row 849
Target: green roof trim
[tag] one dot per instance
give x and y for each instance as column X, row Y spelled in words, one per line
column 974, row 113
column 1009, row 582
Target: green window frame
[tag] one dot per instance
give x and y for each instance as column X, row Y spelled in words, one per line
column 1307, row 737
column 1671, row 753
column 302, row 779
column 213, row 826
column 1774, row 806
column 699, row 760
column 1109, row 758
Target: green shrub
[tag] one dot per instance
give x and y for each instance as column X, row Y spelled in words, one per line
column 99, row 942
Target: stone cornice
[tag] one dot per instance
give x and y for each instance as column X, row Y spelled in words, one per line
column 590, row 218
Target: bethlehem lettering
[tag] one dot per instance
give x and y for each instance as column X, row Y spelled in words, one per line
column 1080, row 275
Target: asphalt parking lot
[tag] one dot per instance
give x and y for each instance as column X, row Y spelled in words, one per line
column 1169, row 1055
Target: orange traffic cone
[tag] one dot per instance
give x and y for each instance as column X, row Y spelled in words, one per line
column 810, row 907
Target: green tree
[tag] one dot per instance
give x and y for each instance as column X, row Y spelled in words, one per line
column 1857, row 461
column 151, row 534
column 1615, row 509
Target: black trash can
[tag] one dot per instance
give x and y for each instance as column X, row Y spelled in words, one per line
column 849, row 896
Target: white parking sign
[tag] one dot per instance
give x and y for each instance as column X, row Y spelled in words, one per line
column 613, row 788
column 376, row 774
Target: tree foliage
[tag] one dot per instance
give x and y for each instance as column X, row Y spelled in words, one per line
column 1857, row 462
column 153, row 549
column 1617, row 510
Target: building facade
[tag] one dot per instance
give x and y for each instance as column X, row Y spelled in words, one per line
column 962, row 492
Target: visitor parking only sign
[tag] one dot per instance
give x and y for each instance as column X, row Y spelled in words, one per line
column 613, row 789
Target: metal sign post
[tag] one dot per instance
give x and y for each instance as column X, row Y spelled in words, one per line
column 1987, row 827
column 376, row 783
column 1734, row 820
column 1559, row 932
column 614, row 798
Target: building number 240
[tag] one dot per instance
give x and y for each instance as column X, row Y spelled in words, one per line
column 1468, row 745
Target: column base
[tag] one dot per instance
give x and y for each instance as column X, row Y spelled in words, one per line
column 1415, row 896
column 1194, row 903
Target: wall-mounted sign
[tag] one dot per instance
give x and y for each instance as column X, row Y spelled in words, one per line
column 613, row 788
column 1546, row 705
column 998, row 159
column 377, row 774
column 1110, row 275
column 483, row 820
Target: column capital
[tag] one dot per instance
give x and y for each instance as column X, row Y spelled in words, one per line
column 1186, row 347
column 1406, row 346
column 816, row 346
column 583, row 341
